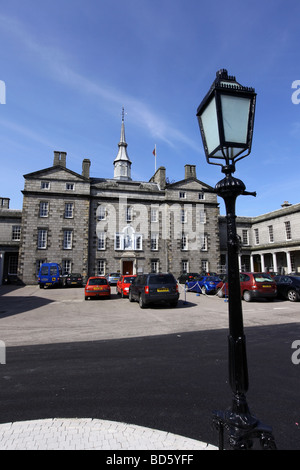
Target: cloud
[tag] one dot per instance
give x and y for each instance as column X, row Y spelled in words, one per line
column 55, row 63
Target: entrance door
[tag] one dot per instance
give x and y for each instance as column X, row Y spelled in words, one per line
column 127, row 267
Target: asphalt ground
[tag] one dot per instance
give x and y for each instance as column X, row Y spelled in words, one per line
column 162, row 368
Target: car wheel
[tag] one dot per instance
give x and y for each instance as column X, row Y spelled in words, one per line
column 141, row 302
column 122, row 294
column 130, row 298
column 292, row 295
column 247, row 296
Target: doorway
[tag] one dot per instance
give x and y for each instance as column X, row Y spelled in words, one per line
column 127, row 267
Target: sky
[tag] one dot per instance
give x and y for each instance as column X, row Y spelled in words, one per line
column 69, row 66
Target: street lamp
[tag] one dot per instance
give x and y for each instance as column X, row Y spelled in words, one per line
column 226, row 118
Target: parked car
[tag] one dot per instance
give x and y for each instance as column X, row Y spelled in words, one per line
column 288, row 287
column 50, row 274
column 113, row 278
column 123, row 284
column 72, row 279
column 183, row 278
column 253, row 286
column 96, row 286
column 204, row 284
column 153, row 288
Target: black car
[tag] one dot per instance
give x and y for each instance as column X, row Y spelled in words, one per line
column 153, row 288
column 288, row 287
column 73, row 279
column 183, row 278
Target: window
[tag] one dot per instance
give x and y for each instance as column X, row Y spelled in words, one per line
column 128, row 241
column 70, row 186
column 245, row 237
column 154, row 241
column 202, row 216
column 201, row 195
column 16, row 233
column 42, row 239
column 183, row 216
column 38, row 264
column 203, row 242
column 184, row 242
column 45, row 185
column 154, row 266
column 129, row 213
column 256, row 236
column 101, row 241
column 68, row 239
column 44, row 206
column 182, row 194
column 288, row 231
column 271, row 233
column 154, row 214
column 185, row 266
column 101, row 213
column 138, row 242
column 67, row 266
column 13, row 264
column 69, row 206
column 100, row 267
column 204, row 266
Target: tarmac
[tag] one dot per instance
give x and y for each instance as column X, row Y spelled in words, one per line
column 91, row 434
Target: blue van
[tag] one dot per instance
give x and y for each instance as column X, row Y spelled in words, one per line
column 50, row 274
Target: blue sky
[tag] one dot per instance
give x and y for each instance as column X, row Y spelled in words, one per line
column 70, row 65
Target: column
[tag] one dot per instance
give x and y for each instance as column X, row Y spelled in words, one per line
column 289, row 263
column 251, row 263
column 275, row 269
column 262, row 263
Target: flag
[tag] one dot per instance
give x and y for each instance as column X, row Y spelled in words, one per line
column 154, row 152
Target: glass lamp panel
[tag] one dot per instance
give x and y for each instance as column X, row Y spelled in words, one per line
column 210, row 126
column 235, row 111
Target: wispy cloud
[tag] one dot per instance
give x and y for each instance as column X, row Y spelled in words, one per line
column 55, row 63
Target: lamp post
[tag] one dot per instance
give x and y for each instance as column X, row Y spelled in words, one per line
column 226, row 118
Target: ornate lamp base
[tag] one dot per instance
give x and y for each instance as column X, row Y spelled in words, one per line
column 242, row 429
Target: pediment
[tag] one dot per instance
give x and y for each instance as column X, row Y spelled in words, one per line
column 191, row 183
column 55, row 172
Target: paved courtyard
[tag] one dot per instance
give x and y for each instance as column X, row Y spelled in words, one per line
column 30, row 315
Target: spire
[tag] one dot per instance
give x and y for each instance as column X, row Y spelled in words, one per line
column 122, row 163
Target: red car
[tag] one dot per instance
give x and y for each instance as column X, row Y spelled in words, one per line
column 124, row 283
column 253, row 286
column 97, row 286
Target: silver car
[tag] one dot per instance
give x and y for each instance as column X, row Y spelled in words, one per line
column 113, row 278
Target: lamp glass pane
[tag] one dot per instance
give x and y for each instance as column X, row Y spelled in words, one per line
column 235, row 112
column 210, row 126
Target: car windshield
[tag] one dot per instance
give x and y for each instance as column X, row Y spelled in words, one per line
column 129, row 280
column 75, row 275
column 162, row 279
column 213, row 278
column 97, row 282
column 261, row 277
column 114, row 275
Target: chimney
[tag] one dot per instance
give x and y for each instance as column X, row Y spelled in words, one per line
column 60, row 158
column 86, row 168
column 189, row 171
column 159, row 177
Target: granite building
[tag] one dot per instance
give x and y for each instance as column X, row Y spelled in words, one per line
column 100, row 225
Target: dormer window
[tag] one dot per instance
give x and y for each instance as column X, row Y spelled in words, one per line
column 70, row 186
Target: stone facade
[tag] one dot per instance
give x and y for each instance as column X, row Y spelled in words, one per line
column 10, row 234
column 269, row 242
column 98, row 225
